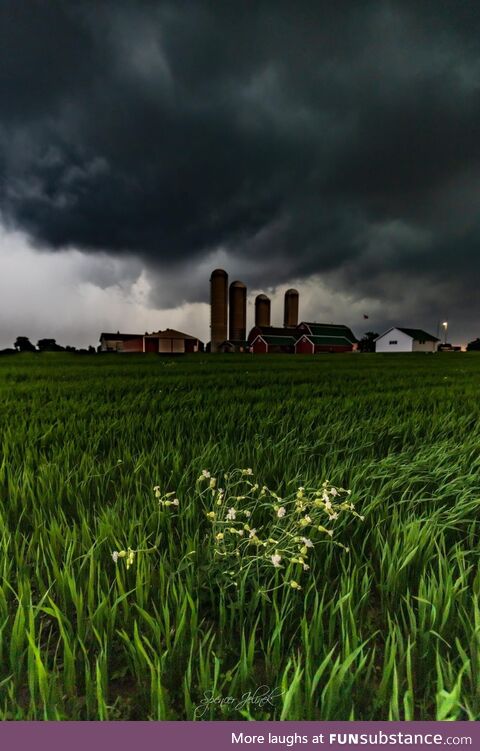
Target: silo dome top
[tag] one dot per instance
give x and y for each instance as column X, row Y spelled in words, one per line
column 291, row 292
column 237, row 284
column 262, row 297
column 219, row 272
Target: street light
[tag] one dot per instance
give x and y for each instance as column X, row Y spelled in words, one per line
column 445, row 328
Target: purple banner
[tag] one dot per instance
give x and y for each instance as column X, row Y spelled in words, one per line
column 220, row 736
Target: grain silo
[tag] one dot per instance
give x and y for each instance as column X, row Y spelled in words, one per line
column 218, row 308
column 262, row 310
column 238, row 312
column 290, row 317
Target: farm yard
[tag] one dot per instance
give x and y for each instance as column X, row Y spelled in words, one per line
column 178, row 541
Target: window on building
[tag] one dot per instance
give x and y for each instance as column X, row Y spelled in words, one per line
column 393, row 341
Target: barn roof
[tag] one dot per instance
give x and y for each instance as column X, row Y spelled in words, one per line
column 171, row 334
column 331, row 329
column 418, row 334
column 277, row 339
column 341, row 341
column 120, row 337
column 274, row 330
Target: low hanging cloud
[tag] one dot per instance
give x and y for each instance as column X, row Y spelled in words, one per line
column 291, row 143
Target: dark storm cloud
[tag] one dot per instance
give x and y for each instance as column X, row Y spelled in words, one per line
column 317, row 138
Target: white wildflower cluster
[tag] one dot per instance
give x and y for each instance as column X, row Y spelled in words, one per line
column 253, row 526
column 165, row 499
column 127, row 555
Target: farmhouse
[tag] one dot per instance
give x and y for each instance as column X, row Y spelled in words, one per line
column 121, row 342
column 399, row 339
column 169, row 341
column 314, row 338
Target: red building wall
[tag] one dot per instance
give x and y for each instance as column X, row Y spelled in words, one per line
column 133, row 345
column 333, row 348
column 304, row 348
column 260, row 348
column 151, row 344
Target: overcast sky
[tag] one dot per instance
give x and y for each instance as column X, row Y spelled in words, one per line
column 330, row 147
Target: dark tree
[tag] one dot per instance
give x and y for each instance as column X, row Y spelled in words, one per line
column 92, row 350
column 23, row 344
column 367, row 342
column 474, row 346
column 49, row 345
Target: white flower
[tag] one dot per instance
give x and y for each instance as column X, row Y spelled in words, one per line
column 276, row 560
column 175, row 502
column 281, row 512
column 328, row 505
column 306, row 566
column 248, row 471
column 253, row 532
column 115, row 556
column 308, row 543
column 205, row 473
column 231, row 514
column 247, row 514
column 334, row 492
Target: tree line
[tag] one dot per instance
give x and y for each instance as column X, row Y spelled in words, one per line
column 23, row 344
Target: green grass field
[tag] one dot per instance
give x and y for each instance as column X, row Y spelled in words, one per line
column 388, row 630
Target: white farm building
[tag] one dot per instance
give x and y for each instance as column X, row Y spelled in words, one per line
column 406, row 340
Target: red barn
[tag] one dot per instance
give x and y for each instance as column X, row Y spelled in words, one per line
column 121, row 342
column 272, row 339
column 306, row 338
column 314, row 338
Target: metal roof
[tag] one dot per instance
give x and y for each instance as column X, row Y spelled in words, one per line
column 275, row 330
column 170, row 334
column 331, row 329
column 418, row 334
column 280, row 340
column 415, row 334
column 329, row 340
column 120, row 337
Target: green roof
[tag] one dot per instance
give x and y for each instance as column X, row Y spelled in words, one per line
column 418, row 334
column 280, row 340
column 331, row 329
column 331, row 340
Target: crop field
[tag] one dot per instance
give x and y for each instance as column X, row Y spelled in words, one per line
column 178, row 542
